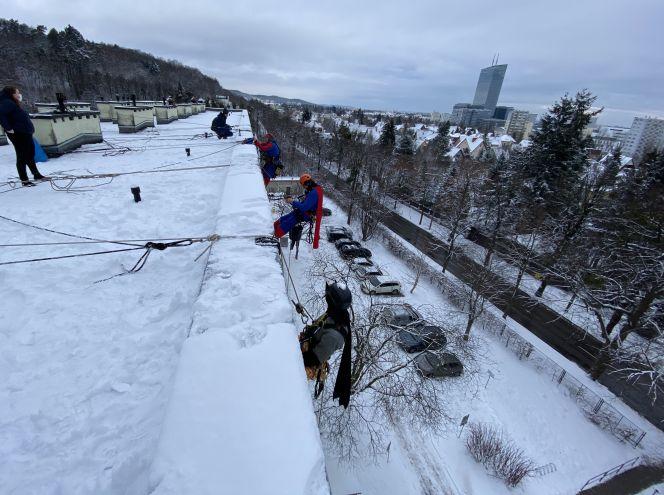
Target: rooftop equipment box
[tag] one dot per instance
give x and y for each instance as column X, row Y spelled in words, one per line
column 134, row 119
column 59, row 133
column 166, row 114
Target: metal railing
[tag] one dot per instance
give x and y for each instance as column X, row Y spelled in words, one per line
column 610, row 473
column 594, row 407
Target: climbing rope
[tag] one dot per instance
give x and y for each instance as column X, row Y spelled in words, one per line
column 299, row 307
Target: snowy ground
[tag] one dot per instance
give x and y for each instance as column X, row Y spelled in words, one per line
column 86, row 369
column 540, row 418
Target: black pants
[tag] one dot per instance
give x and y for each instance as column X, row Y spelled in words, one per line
column 25, row 154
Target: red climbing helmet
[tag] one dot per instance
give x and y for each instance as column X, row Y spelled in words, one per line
column 304, row 178
column 269, row 137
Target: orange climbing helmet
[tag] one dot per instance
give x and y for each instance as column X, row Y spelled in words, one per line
column 304, row 178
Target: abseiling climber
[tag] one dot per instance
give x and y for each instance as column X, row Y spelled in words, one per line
column 326, row 335
column 220, row 127
column 271, row 157
column 310, row 208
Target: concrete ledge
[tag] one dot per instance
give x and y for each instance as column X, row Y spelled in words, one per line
column 240, row 419
column 130, row 129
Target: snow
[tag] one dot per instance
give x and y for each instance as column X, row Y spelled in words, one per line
column 240, row 398
column 533, row 411
column 92, row 373
column 657, row 489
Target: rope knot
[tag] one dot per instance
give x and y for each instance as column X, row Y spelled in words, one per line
column 160, row 246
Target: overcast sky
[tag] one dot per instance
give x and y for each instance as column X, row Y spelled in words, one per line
column 419, row 55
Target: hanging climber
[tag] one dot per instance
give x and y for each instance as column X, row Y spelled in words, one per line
column 220, row 127
column 307, row 210
column 271, row 157
column 327, row 334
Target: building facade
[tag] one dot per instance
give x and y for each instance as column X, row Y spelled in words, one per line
column 467, row 115
column 519, row 124
column 489, row 85
column 502, row 112
column 646, row 134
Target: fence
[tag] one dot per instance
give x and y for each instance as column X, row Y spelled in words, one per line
column 594, row 407
column 606, row 475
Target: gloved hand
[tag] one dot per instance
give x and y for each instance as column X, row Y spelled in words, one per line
column 310, row 359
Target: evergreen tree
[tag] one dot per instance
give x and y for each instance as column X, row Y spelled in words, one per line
column 406, row 144
column 557, row 157
column 306, row 115
column 388, row 136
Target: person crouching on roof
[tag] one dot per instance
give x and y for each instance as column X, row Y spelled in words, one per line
column 311, row 207
column 271, row 155
column 220, row 127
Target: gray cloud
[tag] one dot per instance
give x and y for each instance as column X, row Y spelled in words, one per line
column 419, row 55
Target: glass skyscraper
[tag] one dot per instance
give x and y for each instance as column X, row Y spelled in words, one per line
column 488, row 86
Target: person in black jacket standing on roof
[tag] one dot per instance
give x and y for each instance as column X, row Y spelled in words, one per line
column 19, row 129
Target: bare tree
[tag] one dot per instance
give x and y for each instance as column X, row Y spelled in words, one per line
column 386, row 385
column 461, row 187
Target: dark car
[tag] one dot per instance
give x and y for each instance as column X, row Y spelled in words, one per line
column 417, row 338
column 346, row 242
column 438, row 365
column 352, row 251
column 336, row 233
column 400, row 315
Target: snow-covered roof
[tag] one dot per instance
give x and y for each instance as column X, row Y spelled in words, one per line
column 188, row 373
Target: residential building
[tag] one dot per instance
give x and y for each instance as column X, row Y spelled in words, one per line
column 519, row 124
column 608, row 138
column 646, row 134
column 488, row 86
column 491, row 125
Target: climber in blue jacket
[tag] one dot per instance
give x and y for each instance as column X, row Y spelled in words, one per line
column 303, row 211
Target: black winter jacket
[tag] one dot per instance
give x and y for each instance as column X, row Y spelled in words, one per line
column 13, row 117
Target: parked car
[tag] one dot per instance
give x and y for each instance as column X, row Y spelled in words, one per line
column 357, row 262
column 336, row 233
column 438, row 365
column 417, row 338
column 346, row 242
column 352, row 251
column 381, row 285
column 363, row 272
column 401, row 315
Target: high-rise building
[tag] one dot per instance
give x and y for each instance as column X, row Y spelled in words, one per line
column 489, row 85
column 646, row 134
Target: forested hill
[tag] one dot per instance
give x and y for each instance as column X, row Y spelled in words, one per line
column 43, row 62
